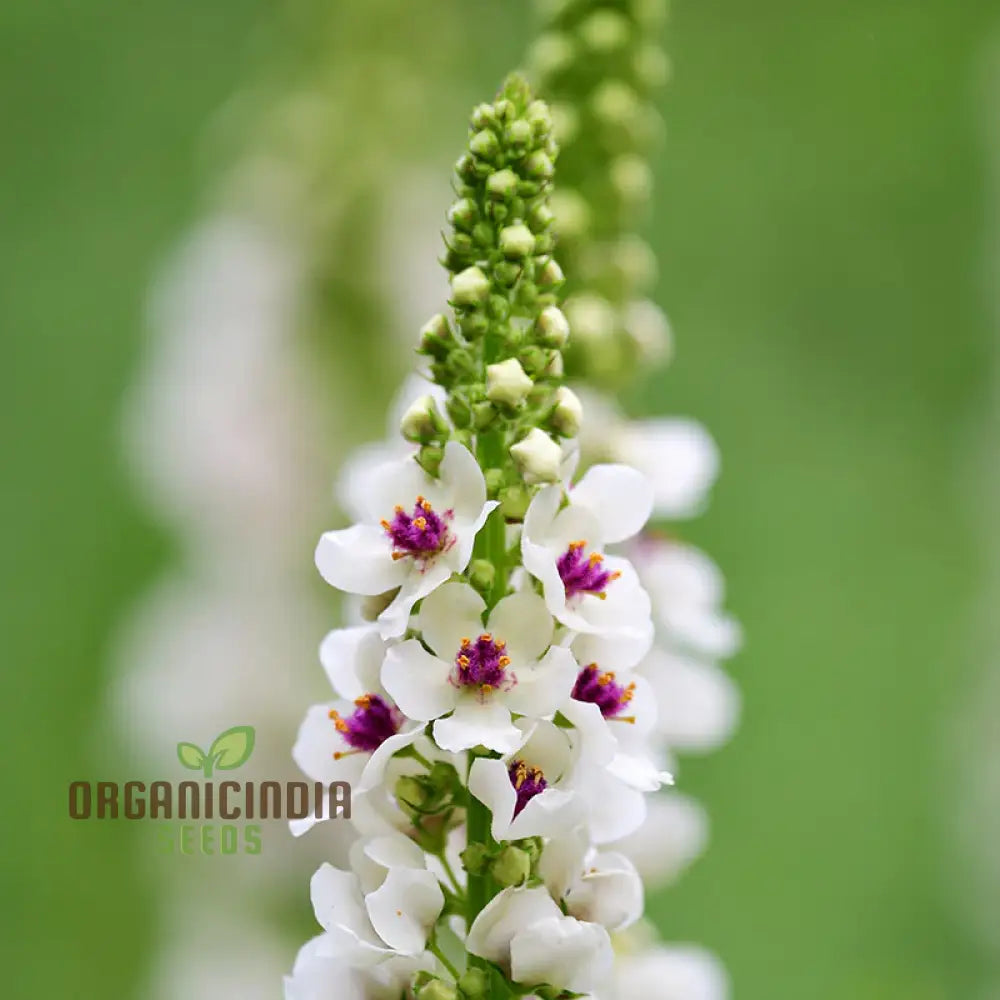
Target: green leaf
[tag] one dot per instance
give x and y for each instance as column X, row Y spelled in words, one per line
column 233, row 747
column 190, row 756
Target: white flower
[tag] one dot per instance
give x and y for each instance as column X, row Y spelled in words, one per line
column 674, row 834
column 698, row 705
column 538, row 457
column 524, row 932
column 477, row 677
column 563, row 548
column 522, row 792
column 417, row 531
column 395, row 919
column 601, row 887
column 671, row 972
column 321, row 973
column 687, row 591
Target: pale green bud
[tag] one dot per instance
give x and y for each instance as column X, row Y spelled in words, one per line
column 517, row 241
column 470, row 287
column 519, row 132
column 475, row 858
column 506, row 383
column 482, row 573
column 572, row 213
column 591, row 317
column 540, row 118
column 605, row 31
column 462, row 214
column 540, row 217
column 539, row 165
column 551, row 54
column 554, row 365
column 632, row 178
column 512, row 867
column 485, row 144
column 474, row 984
column 437, row 989
column 483, row 116
column 435, row 337
column 648, row 327
column 422, row 422
column 568, row 414
column 514, row 501
column 552, row 326
column 502, row 186
column 635, row 262
column 537, row 457
column 550, row 275
column 652, row 66
column 616, row 103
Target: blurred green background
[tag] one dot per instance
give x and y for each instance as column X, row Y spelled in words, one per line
column 820, row 226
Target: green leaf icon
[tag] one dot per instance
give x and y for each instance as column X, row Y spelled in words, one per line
column 190, row 756
column 232, row 748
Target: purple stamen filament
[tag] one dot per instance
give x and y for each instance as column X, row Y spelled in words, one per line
column 527, row 781
column 482, row 663
column 372, row 722
column 421, row 534
column 582, row 573
column 602, row 690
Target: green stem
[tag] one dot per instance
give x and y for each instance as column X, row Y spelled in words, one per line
column 479, row 889
column 435, row 950
column 450, row 872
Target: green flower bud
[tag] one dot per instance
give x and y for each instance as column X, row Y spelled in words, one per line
column 484, row 415
column 554, row 365
column 605, row 31
column 550, row 275
column 483, row 116
column 519, row 133
column 572, row 213
column 551, row 54
column 482, row 573
column 459, row 410
column 411, row 794
column 422, row 423
column 512, row 867
column 485, row 144
column 470, row 287
column 482, row 234
column 541, row 217
column 475, row 325
column 437, row 989
column 429, row 459
column 506, row 273
column 475, row 859
column 532, row 846
column 463, row 214
column 514, row 501
column 494, row 481
column 632, row 179
column 539, row 165
column 506, row 383
column 436, row 338
column 517, row 241
column 502, row 186
column 568, row 413
column 552, row 326
column 474, row 984
column 537, row 457
column 499, row 307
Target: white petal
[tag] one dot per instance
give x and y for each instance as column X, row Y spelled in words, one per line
column 677, row 972
column 476, row 723
column 523, row 621
column 489, row 781
column 609, row 893
column 562, row 860
column 698, row 705
column 352, row 659
column 453, row 612
column 547, row 747
column 620, row 498
column 420, row 580
column 355, row 476
column 374, row 769
column 507, row 913
column 597, row 742
column 337, row 902
column 680, row 458
column 405, row 907
column 563, row 952
column 317, row 742
column 616, row 810
column 394, row 851
column 359, row 560
column 548, row 814
column 463, row 480
column 417, row 681
column 397, row 484
column 542, row 688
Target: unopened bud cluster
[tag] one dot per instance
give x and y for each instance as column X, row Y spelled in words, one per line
column 500, row 357
column 600, row 65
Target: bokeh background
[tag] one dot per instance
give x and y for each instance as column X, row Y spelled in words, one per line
column 829, row 238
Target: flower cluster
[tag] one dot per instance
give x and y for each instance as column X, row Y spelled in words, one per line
column 495, row 711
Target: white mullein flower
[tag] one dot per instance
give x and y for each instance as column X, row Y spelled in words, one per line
column 475, row 676
column 527, row 935
column 416, row 532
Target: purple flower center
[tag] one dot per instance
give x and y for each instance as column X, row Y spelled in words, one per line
column 421, row 534
column 602, row 690
column 482, row 663
column 582, row 573
column 527, row 781
column 371, row 723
